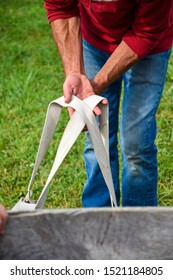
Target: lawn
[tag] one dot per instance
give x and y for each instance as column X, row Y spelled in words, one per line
column 31, row 76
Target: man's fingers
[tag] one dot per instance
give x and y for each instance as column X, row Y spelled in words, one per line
column 70, row 111
column 104, row 101
column 2, row 226
column 3, row 212
column 3, row 218
column 97, row 111
column 67, row 93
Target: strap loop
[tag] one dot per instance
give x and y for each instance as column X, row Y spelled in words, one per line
column 82, row 116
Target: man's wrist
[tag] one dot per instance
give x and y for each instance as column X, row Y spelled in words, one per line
column 75, row 72
column 97, row 87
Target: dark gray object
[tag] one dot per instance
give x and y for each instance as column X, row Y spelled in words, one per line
column 102, row 233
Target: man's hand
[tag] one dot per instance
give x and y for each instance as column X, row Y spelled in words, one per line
column 3, row 218
column 68, row 38
column 79, row 85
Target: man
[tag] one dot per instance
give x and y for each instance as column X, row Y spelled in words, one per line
column 3, row 218
column 122, row 40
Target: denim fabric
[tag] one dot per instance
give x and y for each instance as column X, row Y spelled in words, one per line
column 143, row 86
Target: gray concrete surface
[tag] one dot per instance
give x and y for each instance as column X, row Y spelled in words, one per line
column 103, row 233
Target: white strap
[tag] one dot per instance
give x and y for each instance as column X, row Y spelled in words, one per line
column 82, row 116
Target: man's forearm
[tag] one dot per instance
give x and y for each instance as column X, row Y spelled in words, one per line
column 118, row 63
column 67, row 36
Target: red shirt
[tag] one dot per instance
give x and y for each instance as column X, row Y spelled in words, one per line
column 145, row 25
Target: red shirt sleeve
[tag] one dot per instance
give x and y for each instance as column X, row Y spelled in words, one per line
column 152, row 19
column 59, row 9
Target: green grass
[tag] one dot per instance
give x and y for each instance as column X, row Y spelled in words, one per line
column 31, row 76
column 165, row 141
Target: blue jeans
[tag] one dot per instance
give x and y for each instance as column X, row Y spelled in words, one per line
column 143, row 86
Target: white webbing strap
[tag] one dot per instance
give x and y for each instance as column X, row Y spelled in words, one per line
column 82, row 116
